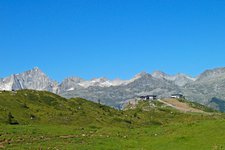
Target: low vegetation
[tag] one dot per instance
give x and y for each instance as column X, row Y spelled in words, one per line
column 42, row 120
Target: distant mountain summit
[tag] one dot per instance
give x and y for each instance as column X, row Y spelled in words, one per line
column 212, row 74
column 210, row 84
column 178, row 79
column 33, row 79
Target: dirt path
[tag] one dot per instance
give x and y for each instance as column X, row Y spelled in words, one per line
column 174, row 103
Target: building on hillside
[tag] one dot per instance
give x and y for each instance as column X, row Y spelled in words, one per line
column 148, row 97
column 178, row 96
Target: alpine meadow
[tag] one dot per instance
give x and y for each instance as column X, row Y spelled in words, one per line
column 112, row 75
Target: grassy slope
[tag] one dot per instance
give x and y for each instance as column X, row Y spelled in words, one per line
column 79, row 124
column 48, row 108
column 203, row 135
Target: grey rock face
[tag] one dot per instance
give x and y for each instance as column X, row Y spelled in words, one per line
column 178, row 79
column 210, row 84
column 70, row 84
column 33, row 79
column 7, row 83
column 212, row 74
column 142, row 84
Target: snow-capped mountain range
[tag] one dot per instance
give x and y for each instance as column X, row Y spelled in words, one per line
column 37, row 80
column 203, row 88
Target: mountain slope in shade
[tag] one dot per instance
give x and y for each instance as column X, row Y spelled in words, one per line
column 217, row 104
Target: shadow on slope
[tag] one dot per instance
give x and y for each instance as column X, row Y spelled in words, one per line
column 218, row 104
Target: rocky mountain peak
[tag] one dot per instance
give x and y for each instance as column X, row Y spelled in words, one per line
column 74, row 79
column 159, row 74
column 179, row 79
column 101, row 79
column 142, row 74
column 158, row 83
column 36, row 69
column 31, row 79
column 212, row 73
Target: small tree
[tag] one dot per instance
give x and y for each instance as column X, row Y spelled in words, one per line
column 24, row 105
column 11, row 119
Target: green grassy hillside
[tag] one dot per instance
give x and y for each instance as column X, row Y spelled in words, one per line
column 38, row 107
column 42, row 120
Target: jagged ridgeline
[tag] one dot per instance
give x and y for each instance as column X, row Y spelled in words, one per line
column 204, row 89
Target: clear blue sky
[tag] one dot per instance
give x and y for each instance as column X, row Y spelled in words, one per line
column 111, row 38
